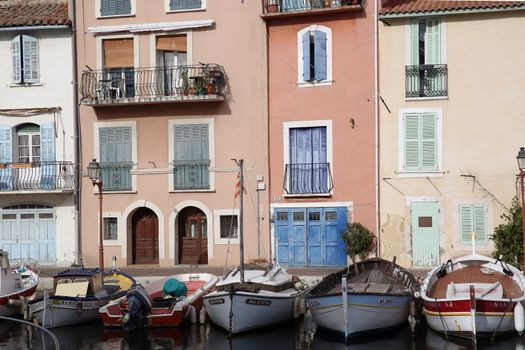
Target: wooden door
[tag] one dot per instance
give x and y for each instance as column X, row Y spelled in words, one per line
column 195, row 240
column 425, row 234
column 146, row 239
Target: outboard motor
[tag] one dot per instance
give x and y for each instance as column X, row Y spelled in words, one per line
column 139, row 307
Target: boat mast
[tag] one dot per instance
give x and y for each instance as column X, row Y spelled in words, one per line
column 241, row 240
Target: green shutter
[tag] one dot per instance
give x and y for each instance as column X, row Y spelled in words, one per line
column 411, row 148
column 465, row 217
column 473, row 218
column 432, row 42
column 428, row 148
column 115, row 158
column 480, row 222
column 420, row 142
column 191, row 156
column 414, row 42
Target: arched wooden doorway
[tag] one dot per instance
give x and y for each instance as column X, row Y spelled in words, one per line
column 145, row 236
column 193, row 236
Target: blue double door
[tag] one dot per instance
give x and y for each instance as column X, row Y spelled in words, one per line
column 310, row 236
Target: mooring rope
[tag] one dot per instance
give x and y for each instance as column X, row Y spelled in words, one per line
column 443, row 323
column 55, row 340
column 230, row 332
column 501, row 320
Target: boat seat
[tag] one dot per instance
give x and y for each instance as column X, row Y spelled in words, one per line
column 111, row 288
column 483, row 290
column 369, row 288
column 163, row 302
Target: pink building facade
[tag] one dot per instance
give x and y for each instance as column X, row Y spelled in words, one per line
column 321, row 127
column 171, row 92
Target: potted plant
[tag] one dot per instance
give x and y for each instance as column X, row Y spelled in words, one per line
column 185, row 83
column 359, row 241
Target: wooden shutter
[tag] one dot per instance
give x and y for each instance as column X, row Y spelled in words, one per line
column 473, row 218
column 465, row 218
column 191, row 142
column 414, row 42
column 118, row 53
column 16, row 59
column 172, row 43
column 185, row 4
column 411, row 149
column 115, row 144
column 31, row 59
column 306, row 56
column 320, row 55
column 115, row 7
column 6, row 144
column 432, row 42
column 47, row 142
column 480, row 222
column 428, row 148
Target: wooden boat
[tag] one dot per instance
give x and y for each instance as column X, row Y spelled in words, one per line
column 473, row 296
column 154, row 308
column 369, row 296
column 267, row 296
column 77, row 295
column 18, row 280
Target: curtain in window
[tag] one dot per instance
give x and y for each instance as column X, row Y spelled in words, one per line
column 308, row 160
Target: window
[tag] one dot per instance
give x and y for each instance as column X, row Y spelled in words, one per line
column 115, row 158
column 28, row 146
column 110, row 229
column 118, row 65
column 425, row 37
column 473, row 219
column 172, row 59
column 420, row 142
column 115, row 7
column 282, row 216
column 192, row 160
column 180, row 5
column 26, row 67
column 315, row 54
column 229, row 226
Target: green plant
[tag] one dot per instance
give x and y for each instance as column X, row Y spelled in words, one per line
column 508, row 236
column 185, row 82
column 358, row 241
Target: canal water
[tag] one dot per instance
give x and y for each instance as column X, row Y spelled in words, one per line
column 291, row 336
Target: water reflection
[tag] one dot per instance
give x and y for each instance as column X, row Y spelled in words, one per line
column 295, row 336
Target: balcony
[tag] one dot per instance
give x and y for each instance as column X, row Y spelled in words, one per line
column 191, row 175
column 116, row 176
column 171, row 84
column 289, row 8
column 42, row 176
column 428, row 80
column 308, row 179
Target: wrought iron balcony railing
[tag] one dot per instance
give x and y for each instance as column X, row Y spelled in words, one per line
column 191, row 174
column 116, row 176
column 427, row 80
column 43, row 176
column 152, row 85
column 280, row 6
column 308, row 178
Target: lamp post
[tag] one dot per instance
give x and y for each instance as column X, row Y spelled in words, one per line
column 521, row 164
column 94, row 173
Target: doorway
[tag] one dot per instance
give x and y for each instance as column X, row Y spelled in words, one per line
column 145, row 236
column 193, row 236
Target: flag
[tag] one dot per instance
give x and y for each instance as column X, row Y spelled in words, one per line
column 238, row 186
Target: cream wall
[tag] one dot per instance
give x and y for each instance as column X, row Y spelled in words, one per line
column 236, row 41
column 482, row 121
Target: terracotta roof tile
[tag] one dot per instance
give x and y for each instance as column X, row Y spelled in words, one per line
column 399, row 7
column 33, row 13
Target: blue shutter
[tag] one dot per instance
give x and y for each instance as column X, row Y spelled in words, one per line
column 47, row 156
column 320, row 55
column 16, row 60
column 319, row 166
column 115, row 7
column 6, row 157
column 185, row 4
column 115, row 158
column 191, row 156
column 306, row 56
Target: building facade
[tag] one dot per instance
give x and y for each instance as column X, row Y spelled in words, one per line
column 321, row 127
column 171, row 91
column 37, row 173
column 450, row 126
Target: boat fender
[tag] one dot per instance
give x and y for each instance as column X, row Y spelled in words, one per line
column 202, row 316
column 299, row 285
column 417, row 295
column 519, row 318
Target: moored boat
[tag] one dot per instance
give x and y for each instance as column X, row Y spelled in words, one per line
column 154, row 306
column 473, row 296
column 366, row 297
column 18, row 280
column 77, row 295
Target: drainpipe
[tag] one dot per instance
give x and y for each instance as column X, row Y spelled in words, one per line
column 376, row 112
column 76, row 110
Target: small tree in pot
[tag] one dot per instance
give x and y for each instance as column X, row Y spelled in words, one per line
column 359, row 241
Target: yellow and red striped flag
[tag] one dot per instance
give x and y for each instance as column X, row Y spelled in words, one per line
column 238, row 186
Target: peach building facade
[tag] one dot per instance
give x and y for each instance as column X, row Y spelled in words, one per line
column 171, row 92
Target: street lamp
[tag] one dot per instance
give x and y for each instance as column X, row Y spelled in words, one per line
column 94, row 173
column 521, row 164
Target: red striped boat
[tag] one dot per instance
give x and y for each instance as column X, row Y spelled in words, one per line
column 473, row 296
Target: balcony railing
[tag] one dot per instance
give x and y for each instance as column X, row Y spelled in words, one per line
column 286, row 6
column 116, row 176
column 191, row 174
column 428, row 80
column 204, row 82
column 43, row 176
column 309, row 178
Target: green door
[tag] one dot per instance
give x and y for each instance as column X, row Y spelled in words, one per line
column 425, row 234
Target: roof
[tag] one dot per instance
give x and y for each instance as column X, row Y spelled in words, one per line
column 394, row 8
column 18, row 13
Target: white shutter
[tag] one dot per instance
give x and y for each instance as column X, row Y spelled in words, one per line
column 31, row 59
column 15, row 54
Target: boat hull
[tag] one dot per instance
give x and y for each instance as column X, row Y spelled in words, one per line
column 455, row 318
column 366, row 313
column 249, row 310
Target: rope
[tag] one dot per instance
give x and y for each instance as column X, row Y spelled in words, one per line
column 501, row 320
column 441, row 318
column 55, row 340
column 230, row 333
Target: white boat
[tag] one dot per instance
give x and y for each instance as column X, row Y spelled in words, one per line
column 77, row 296
column 266, row 297
column 370, row 296
column 18, row 281
column 474, row 296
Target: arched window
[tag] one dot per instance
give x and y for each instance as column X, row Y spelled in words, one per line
column 25, row 53
column 314, row 53
column 27, row 143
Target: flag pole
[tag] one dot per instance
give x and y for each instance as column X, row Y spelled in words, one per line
column 241, row 238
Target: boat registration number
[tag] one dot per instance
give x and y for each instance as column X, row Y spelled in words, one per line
column 258, row 302
column 216, row 301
